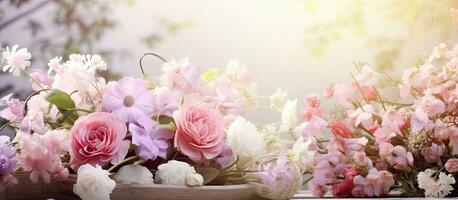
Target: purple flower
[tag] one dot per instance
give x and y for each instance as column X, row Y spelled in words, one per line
column 151, row 142
column 129, row 100
column 8, row 158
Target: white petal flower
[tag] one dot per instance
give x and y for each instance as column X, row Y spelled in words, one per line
column 289, row 115
column 134, row 174
column 277, row 100
column 435, row 188
column 244, row 139
column 178, row 173
column 300, row 152
column 16, row 60
column 368, row 76
column 93, row 183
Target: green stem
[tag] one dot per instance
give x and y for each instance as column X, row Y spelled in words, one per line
column 122, row 162
column 307, row 180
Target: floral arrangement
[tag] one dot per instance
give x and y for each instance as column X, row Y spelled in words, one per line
column 372, row 145
column 179, row 128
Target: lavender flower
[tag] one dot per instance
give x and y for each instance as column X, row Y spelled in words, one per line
column 8, row 160
column 129, row 100
column 151, row 142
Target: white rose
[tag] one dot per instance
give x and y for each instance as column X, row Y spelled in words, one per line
column 93, row 183
column 289, row 115
column 277, row 100
column 178, row 173
column 244, row 139
column 134, row 174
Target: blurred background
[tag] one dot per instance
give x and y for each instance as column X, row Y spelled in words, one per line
column 299, row 45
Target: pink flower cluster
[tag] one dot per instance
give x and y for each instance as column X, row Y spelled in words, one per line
column 377, row 141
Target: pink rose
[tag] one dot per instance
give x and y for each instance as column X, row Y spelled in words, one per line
column 452, row 165
column 200, row 131
column 98, row 139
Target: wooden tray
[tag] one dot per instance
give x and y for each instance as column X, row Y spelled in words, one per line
column 64, row 190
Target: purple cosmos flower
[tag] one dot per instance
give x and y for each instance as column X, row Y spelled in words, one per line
column 151, row 142
column 8, row 158
column 129, row 100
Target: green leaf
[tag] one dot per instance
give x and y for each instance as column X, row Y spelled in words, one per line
column 65, row 104
column 61, row 100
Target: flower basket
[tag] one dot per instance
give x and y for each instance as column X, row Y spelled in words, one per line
column 64, row 190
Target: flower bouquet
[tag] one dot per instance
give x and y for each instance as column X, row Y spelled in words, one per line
column 373, row 145
column 149, row 136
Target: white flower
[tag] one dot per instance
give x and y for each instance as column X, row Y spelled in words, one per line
column 300, row 152
column 16, row 60
column 134, row 174
column 244, row 139
column 363, row 116
column 178, row 173
column 194, row 180
column 277, row 100
column 93, row 183
column 289, row 115
column 435, row 188
column 367, row 77
column 54, row 65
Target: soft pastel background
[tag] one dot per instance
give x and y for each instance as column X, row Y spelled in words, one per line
column 299, row 45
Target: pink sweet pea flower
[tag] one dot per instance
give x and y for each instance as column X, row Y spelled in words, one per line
column 363, row 116
column 419, row 120
column 165, row 102
column 367, row 77
column 431, row 105
column 40, row 154
column 129, row 100
column 396, row 156
column 383, row 135
column 433, row 153
column 180, row 76
column 344, row 189
column 338, row 128
column 42, row 78
column 344, row 94
column 452, row 165
column 328, row 92
column 393, row 119
column 14, row 112
column 376, row 184
column 226, row 99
